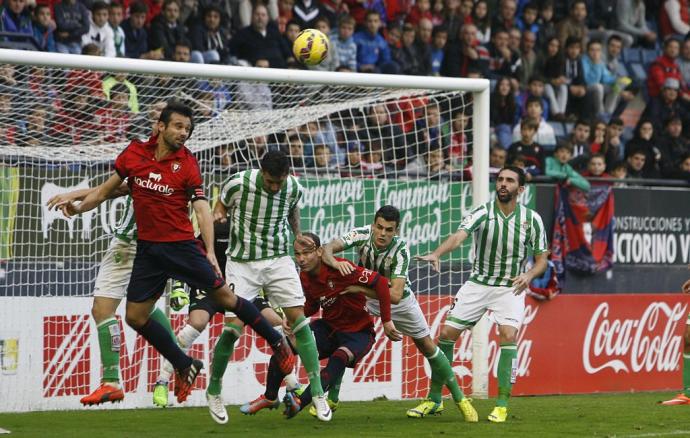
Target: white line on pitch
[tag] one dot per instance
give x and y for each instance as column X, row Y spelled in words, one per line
column 673, row 432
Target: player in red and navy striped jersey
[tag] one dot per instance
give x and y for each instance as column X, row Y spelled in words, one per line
column 345, row 332
column 163, row 178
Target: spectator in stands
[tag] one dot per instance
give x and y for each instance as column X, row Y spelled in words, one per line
column 683, row 60
column 599, row 80
column 611, row 58
column 114, row 119
column 373, row 54
column 632, row 21
column 260, row 40
column 613, row 145
column 575, row 25
column 91, row 79
column 453, row 20
column 295, row 150
column 682, row 169
column 100, row 32
column 429, row 164
column 579, row 145
column 596, row 167
column 421, row 9
column 378, row 128
column 166, row 29
column 8, row 128
column 72, row 20
column 372, row 160
column 305, row 13
column 528, row 58
column 285, row 14
column 535, row 88
column 459, row 140
column 183, row 51
column 482, row 20
column 322, row 160
column 644, row 141
column 547, row 26
column 503, row 62
column 73, row 124
column 425, row 29
column 674, row 18
column 664, row 67
column 332, row 60
column 528, row 21
column 464, row 54
column 209, row 45
column 437, row 11
column 154, row 8
column 437, row 49
column 497, row 160
column 557, row 167
column 619, row 170
column 545, row 134
column 136, row 36
column 514, row 39
column 504, row 112
column 115, row 17
column 34, row 133
column 15, row 17
column 121, row 78
column 345, row 43
column 597, row 136
column 552, row 64
column 353, row 160
column 44, row 28
column 333, row 10
column 255, row 96
column 413, row 57
column 602, row 22
column 292, row 30
column 673, row 146
column 575, row 78
column 635, row 161
column 665, row 105
column 430, row 131
column 505, row 19
column 532, row 154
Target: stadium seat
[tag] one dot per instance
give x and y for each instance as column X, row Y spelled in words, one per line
column 631, row 55
column 648, row 56
column 639, row 73
column 622, row 70
column 558, row 129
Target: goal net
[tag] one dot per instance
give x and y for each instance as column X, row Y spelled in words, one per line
column 356, row 142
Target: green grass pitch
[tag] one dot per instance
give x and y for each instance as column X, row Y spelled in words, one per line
column 606, row 415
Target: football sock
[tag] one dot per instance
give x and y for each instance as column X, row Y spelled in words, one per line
column 249, row 315
column 506, row 363
column 158, row 316
column 442, row 374
column 221, row 355
column 273, row 379
column 686, row 374
column 334, row 388
column 159, row 337
column 447, row 347
column 437, row 380
column 306, row 347
column 334, row 370
column 185, row 338
column 109, row 344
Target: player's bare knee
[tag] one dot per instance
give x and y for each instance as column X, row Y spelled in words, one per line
column 272, row 317
column 102, row 310
column 135, row 321
column 293, row 313
column 199, row 319
column 507, row 334
column 225, row 297
column 450, row 333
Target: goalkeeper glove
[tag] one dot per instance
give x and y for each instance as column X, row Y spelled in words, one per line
column 178, row 297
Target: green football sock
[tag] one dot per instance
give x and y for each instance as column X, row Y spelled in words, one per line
column 437, row 381
column 443, row 372
column 334, row 389
column 686, row 374
column 306, row 347
column 109, row 344
column 447, row 347
column 221, row 356
column 158, row 316
column 506, row 363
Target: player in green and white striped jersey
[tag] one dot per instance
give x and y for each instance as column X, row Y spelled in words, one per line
column 261, row 207
column 381, row 249
column 111, row 287
column 503, row 232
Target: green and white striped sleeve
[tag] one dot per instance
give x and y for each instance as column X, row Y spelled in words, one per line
column 231, row 188
column 356, row 237
column 539, row 243
column 474, row 219
column 400, row 263
column 296, row 194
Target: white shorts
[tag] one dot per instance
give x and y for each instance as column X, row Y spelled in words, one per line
column 406, row 315
column 473, row 300
column 278, row 278
column 115, row 269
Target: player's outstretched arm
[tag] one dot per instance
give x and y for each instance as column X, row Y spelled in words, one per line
column 522, row 281
column 336, row 245
column 452, row 242
column 205, row 220
column 94, row 198
column 73, row 196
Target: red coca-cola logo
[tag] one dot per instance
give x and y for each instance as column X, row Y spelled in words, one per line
column 650, row 343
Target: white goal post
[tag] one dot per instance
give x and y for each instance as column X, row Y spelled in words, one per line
column 341, row 93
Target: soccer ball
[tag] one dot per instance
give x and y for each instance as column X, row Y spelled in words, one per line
column 311, row 47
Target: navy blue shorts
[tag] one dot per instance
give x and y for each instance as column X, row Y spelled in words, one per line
column 328, row 341
column 156, row 262
column 200, row 300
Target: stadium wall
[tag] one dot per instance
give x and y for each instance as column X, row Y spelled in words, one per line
column 574, row 344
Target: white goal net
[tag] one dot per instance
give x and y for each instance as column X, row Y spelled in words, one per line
column 353, row 147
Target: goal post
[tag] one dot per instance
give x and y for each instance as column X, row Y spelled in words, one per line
column 64, row 120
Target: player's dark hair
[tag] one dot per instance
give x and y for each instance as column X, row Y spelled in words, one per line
column 314, row 238
column 520, row 173
column 388, row 213
column 276, row 163
column 177, row 107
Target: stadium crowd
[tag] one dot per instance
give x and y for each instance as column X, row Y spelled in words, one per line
column 563, row 75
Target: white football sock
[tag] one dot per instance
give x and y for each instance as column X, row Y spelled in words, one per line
column 185, row 338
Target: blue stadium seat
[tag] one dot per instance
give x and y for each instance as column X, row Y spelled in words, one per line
column 648, row 56
column 492, row 84
column 639, row 73
column 632, row 54
column 558, row 129
column 622, row 70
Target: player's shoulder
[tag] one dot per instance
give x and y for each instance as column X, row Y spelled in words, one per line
column 400, row 242
column 530, row 212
